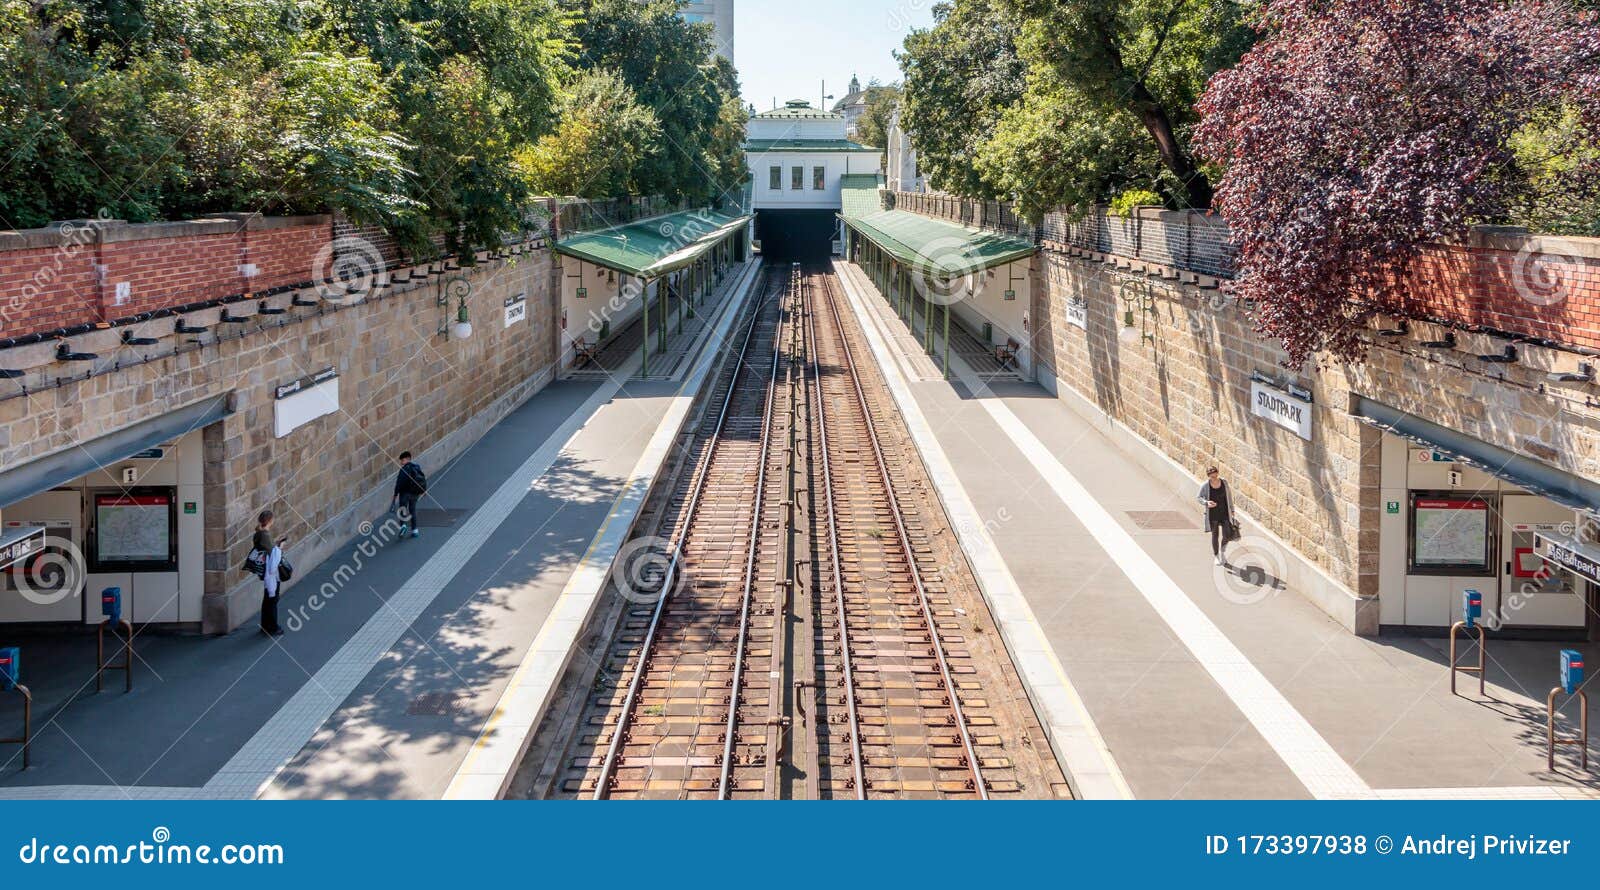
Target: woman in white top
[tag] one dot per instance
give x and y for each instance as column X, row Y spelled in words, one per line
column 269, row 578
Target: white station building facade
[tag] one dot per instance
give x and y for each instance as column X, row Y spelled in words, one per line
column 798, row 157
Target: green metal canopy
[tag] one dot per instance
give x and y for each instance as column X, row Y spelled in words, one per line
column 858, row 194
column 650, row 248
column 938, row 246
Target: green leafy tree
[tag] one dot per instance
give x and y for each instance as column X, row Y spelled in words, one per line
column 1103, row 64
column 873, row 126
column 596, row 151
column 960, row 77
column 670, row 65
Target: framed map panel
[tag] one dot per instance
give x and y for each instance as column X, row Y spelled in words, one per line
column 134, row 531
column 1451, row 534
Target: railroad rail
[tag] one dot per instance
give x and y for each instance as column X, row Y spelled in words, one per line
column 803, row 625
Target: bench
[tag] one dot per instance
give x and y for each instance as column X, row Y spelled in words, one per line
column 1006, row 355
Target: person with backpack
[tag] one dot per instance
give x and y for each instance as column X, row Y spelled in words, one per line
column 409, row 484
column 266, row 559
column 1221, row 523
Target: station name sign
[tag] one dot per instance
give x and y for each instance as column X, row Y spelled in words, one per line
column 304, row 383
column 1288, row 407
column 1078, row 312
column 1566, row 553
column 20, row 543
column 516, row 309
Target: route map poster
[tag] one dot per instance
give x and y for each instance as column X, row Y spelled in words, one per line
column 133, row 528
column 1450, row 532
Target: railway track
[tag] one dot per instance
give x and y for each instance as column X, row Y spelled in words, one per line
column 801, row 624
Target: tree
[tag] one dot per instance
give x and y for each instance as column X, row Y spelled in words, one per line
column 1100, row 63
column 1358, row 130
column 960, row 76
column 598, row 148
column 671, row 66
column 872, row 128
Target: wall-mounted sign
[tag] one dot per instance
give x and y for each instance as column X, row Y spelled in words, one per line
column 583, row 292
column 17, row 543
column 1567, row 553
column 1284, row 407
column 1391, row 507
column 189, row 508
column 299, row 402
column 148, row 454
column 516, row 309
column 1011, row 294
column 1426, row 456
column 1078, row 313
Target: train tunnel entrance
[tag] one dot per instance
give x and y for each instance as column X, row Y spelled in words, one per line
column 797, row 235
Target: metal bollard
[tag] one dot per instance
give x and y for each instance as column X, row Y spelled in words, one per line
column 1471, row 610
column 1571, row 684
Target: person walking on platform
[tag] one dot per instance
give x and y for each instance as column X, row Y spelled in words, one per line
column 269, row 553
column 1220, row 521
column 409, row 484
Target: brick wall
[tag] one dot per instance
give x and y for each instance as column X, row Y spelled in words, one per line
column 99, row 271
column 1505, row 280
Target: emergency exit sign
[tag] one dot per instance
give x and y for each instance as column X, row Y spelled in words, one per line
column 1391, row 506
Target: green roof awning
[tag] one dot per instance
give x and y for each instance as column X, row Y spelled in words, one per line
column 650, row 248
column 934, row 245
column 757, row 146
column 858, row 193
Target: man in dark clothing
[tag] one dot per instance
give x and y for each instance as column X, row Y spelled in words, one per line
column 409, row 484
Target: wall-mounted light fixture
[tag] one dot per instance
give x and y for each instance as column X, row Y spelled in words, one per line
column 1137, row 298
column 460, row 288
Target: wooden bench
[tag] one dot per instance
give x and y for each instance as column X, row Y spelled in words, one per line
column 584, row 353
column 1006, row 355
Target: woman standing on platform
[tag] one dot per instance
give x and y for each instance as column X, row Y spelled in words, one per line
column 1220, row 521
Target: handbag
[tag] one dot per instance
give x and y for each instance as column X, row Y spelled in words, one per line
column 285, row 570
column 1230, row 530
column 256, row 563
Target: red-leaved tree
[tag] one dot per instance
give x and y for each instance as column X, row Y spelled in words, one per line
column 1357, row 130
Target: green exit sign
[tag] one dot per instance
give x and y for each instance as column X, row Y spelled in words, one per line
column 1391, row 507
column 583, row 292
column 1011, row 295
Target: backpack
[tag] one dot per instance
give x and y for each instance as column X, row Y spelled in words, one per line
column 418, row 479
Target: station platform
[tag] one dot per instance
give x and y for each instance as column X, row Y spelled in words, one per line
column 1158, row 674
column 420, row 666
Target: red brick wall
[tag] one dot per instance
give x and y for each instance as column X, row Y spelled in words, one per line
column 47, row 287
column 48, row 278
column 164, row 272
column 1548, row 288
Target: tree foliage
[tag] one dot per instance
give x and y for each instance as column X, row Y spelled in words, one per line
column 1359, row 129
column 599, row 149
column 419, row 115
column 960, row 77
column 1102, row 70
column 672, row 68
column 872, row 128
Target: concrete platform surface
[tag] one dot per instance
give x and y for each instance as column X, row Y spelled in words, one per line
column 400, row 651
column 1203, row 682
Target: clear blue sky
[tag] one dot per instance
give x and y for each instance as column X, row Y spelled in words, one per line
column 786, row 48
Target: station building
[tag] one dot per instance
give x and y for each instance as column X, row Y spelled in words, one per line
column 799, row 160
